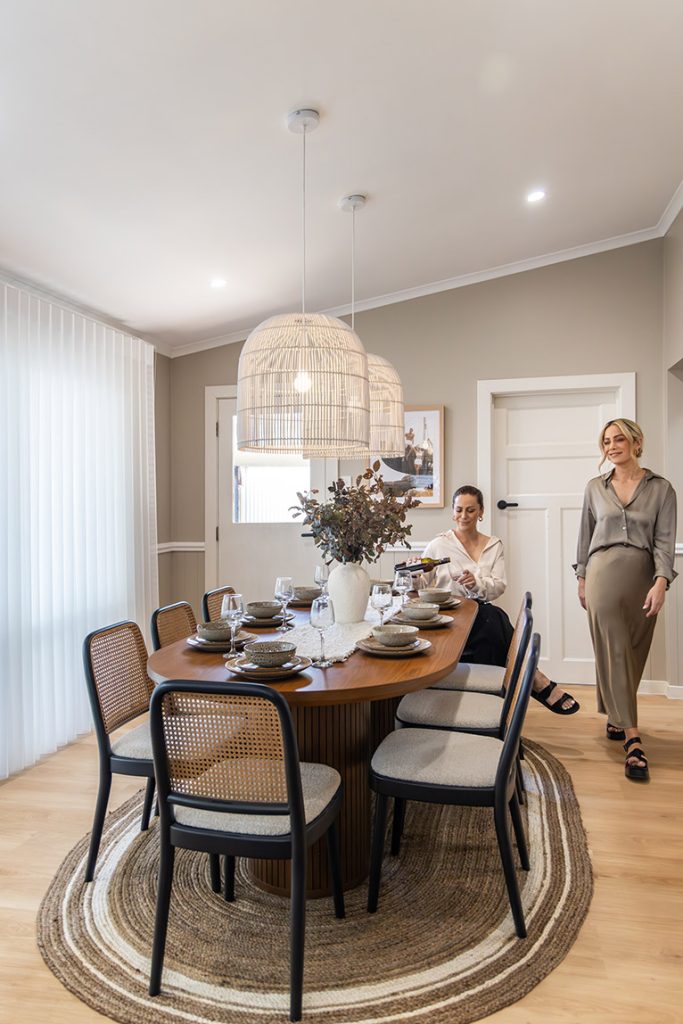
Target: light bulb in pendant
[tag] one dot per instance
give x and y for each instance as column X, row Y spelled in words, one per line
column 302, row 382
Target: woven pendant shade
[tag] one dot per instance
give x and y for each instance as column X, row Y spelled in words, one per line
column 387, row 428
column 302, row 386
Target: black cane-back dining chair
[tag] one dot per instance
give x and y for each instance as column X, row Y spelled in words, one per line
column 172, row 622
column 230, row 783
column 444, row 767
column 115, row 663
column 212, row 601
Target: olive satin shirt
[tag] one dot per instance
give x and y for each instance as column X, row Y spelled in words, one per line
column 648, row 521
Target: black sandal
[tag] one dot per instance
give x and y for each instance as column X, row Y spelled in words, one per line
column 542, row 697
column 637, row 772
column 613, row 732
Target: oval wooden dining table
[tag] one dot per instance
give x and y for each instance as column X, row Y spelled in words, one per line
column 340, row 714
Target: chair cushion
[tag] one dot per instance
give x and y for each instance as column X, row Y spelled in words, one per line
column 319, row 783
column 135, row 743
column 478, row 678
column 439, row 758
column 451, row 709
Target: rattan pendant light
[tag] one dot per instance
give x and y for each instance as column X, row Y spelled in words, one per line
column 302, row 382
column 387, row 429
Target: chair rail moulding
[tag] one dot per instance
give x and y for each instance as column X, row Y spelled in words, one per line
column 180, row 545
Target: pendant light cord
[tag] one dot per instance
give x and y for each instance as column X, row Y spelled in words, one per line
column 353, row 268
column 303, row 228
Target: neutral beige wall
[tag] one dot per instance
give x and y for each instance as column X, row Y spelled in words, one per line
column 162, row 429
column 673, row 293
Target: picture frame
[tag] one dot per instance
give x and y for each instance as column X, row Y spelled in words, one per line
column 419, row 472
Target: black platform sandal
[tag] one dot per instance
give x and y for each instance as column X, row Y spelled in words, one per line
column 542, row 697
column 637, row 772
column 613, row 732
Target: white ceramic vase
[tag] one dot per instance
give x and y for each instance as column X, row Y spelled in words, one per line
column 349, row 588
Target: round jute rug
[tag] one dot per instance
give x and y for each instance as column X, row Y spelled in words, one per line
column 441, row 947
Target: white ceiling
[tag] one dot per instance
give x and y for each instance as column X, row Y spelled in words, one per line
column 143, row 146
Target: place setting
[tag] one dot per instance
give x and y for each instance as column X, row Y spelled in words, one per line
column 267, row 660
column 394, row 641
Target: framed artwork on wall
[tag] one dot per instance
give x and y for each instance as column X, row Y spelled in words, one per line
column 419, row 471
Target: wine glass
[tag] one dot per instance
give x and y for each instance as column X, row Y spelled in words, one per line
column 322, row 617
column 403, row 582
column 232, row 609
column 321, row 576
column 284, row 592
column 381, row 598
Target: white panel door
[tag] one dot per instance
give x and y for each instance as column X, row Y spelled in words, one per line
column 544, row 452
column 251, row 554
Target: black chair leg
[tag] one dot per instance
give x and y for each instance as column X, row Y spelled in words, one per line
column 378, row 831
column 215, row 871
column 147, row 805
column 297, row 935
column 229, row 880
column 397, row 826
column 519, row 783
column 332, row 837
column 518, row 826
column 504, row 845
column 98, row 822
column 166, row 858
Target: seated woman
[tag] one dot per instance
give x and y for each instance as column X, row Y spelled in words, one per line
column 477, row 569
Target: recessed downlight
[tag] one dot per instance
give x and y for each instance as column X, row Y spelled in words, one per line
column 536, row 196
column 218, row 282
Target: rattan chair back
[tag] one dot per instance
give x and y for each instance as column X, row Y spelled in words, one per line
column 518, row 710
column 172, row 622
column 224, row 747
column 515, row 662
column 212, row 601
column 515, row 643
column 115, row 661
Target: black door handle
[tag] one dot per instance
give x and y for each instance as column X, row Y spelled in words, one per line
column 503, row 504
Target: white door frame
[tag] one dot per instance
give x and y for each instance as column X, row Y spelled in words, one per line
column 488, row 390
column 212, row 395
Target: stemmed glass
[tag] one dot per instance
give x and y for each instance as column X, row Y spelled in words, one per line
column 284, row 592
column 321, row 576
column 403, row 582
column 381, row 598
column 232, row 609
column 322, row 617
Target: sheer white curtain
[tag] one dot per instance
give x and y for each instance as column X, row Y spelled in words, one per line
column 77, row 510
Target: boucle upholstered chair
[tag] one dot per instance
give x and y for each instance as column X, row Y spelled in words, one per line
column 230, row 783
column 115, row 663
column 444, row 767
column 481, row 678
column 172, row 622
column 483, row 713
column 212, row 601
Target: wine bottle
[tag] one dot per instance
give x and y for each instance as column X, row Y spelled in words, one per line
column 425, row 565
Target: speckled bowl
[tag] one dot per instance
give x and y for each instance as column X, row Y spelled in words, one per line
column 215, row 631
column 436, row 595
column 420, row 611
column 395, row 636
column 270, row 653
column 264, row 609
column 306, row 593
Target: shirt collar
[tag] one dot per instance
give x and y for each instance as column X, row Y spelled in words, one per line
column 649, row 475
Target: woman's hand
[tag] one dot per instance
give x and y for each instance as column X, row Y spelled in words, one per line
column 467, row 580
column 655, row 597
column 582, row 592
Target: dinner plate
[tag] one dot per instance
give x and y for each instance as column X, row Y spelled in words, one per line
column 220, row 646
column 243, row 668
column 372, row 646
column 438, row 622
column 453, row 602
column 252, row 621
column 300, row 604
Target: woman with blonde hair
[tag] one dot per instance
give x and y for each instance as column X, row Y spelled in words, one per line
column 624, row 565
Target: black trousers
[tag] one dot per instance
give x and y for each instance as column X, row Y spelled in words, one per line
column 490, row 637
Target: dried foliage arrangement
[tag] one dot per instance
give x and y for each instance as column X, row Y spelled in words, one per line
column 358, row 522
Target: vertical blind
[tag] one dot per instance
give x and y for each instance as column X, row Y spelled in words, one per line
column 77, row 510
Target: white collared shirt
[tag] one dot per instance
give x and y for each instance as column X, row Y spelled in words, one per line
column 489, row 571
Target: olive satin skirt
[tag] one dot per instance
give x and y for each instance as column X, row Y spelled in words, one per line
column 617, row 582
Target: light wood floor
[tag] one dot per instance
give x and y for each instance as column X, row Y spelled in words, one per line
column 625, row 966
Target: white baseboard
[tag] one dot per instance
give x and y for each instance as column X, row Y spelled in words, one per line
column 660, row 688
